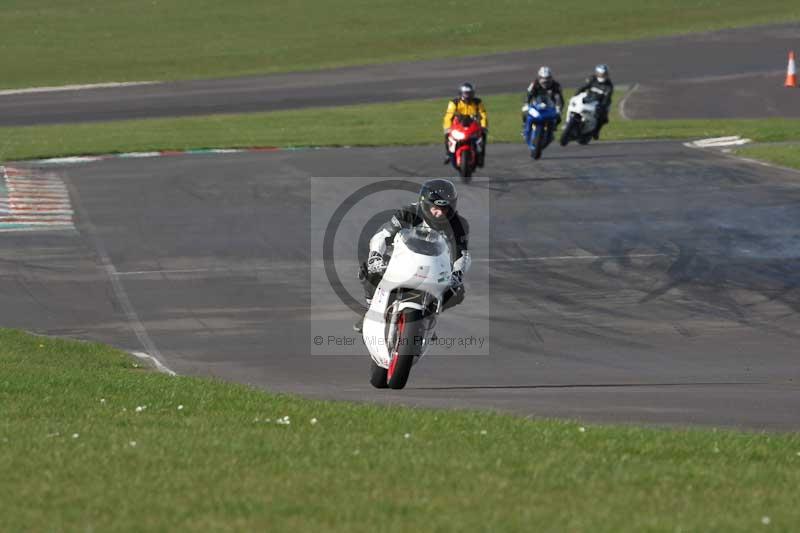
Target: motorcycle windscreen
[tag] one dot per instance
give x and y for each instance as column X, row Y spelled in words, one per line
column 424, row 242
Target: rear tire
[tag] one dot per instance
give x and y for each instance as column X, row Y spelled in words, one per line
column 407, row 349
column 377, row 376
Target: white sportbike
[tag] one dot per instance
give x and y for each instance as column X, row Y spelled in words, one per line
column 581, row 118
column 399, row 324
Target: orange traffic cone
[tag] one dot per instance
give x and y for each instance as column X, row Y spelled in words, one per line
column 791, row 72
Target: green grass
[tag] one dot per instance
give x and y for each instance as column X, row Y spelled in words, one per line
column 77, row 456
column 413, row 122
column 80, row 41
column 785, row 154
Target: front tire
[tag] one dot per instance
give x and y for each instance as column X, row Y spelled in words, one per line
column 566, row 136
column 537, row 153
column 377, row 376
column 408, row 346
column 464, row 169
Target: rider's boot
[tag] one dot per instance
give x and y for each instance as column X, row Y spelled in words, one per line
column 596, row 133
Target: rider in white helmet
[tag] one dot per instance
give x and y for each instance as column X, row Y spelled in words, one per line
column 600, row 85
column 544, row 86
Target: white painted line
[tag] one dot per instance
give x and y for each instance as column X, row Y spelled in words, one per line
column 191, row 271
column 33, row 222
column 238, row 270
column 740, row 142
column 161, row 367
column 38, row 193
column 84, row 87
column 562, row 258
column 18, row 178
column 138, row 155
column 117, row 288
column 713, row 140
column 718, row 142
column 23, row 203
column 24, row 212
column 37, row 201
column 37, row 189
column 35, row 216
column 37, row 208
column 24, row 181
column 66, row 160
column 718, row 139
column 624, row 101
column 25, row 209
column 64, row 227
column 42, row 189
column 34, row 194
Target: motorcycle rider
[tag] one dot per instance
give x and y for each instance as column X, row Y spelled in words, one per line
column 600, row 84
column 544, row 86
column 436, row 209
column 467, row 104
column 547, row 87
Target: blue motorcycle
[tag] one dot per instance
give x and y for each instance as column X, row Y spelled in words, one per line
column 541, row 118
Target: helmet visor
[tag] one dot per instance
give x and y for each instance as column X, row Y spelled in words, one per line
column 601, row 72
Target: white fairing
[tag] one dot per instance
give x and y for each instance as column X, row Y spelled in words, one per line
column 587, row 111
column 407, row 269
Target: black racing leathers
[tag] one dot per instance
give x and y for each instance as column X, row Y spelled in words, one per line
column 553, row 92
column 604, row 91
column 455, row 229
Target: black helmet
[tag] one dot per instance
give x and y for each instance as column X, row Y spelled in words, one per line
column 466, row 91
column 440, row 193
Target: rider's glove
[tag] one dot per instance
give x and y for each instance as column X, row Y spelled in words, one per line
column 463, row 263
column 457, row 278
column 375, row 263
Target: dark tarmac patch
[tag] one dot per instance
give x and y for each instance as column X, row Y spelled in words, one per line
column 630, row 282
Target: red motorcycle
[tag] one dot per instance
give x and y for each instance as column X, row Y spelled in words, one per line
column 464, row 142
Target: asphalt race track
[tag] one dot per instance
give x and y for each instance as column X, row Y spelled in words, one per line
column 630, row 282
column 731, row 73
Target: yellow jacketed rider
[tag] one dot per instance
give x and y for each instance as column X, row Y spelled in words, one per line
column 466, row 104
